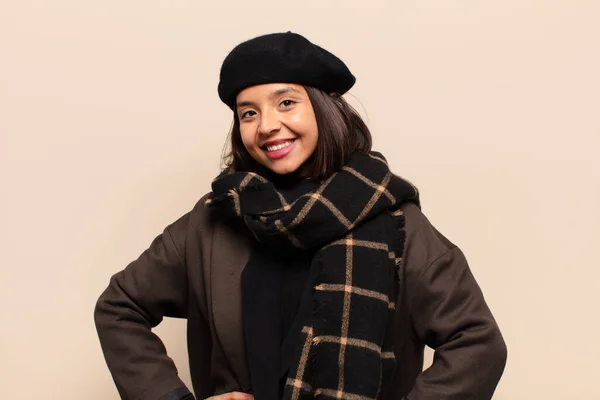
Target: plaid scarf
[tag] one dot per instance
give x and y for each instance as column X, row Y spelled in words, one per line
column 353, row 225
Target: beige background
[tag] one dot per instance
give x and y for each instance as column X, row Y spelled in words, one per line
column 111, row 128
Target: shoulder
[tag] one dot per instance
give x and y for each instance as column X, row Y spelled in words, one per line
column 198, row 214
column 195, row 223
column 198, row 226
column 424, row 244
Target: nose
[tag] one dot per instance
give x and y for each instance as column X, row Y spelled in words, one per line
column 269, row 123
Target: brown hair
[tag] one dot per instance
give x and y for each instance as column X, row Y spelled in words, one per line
column 342, row 132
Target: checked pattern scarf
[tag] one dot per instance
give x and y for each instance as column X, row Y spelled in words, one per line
column 353, row 225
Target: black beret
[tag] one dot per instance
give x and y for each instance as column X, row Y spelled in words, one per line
column 282, row 57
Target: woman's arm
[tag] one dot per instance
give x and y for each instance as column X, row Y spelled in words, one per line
column 449, row 314
column 136, row 300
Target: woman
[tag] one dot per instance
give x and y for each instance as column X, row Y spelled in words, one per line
column 309, row 270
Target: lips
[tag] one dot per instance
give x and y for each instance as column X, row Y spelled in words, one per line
column 276, row 149
column 275, row 142
column 278, row 146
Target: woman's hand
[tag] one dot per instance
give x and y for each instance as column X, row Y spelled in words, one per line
column 232, row 396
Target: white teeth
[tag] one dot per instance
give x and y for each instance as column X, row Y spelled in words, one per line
column 279, row 146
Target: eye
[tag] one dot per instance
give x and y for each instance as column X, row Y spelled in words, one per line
column 247, row 114
column 287, row 103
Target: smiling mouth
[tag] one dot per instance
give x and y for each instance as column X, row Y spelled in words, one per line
column 279, row 146
column 279, row 149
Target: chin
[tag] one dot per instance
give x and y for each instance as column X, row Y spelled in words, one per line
column 284, row 171
column 284, row 168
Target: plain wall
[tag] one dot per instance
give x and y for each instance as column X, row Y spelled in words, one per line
column 111, row 128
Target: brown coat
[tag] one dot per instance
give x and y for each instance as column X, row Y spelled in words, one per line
column 193, row 271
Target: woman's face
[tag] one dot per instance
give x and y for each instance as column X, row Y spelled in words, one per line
column 277, row 125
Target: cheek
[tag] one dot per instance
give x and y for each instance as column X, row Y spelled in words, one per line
column 247, row 138
column 314, row 132
column 307, row 123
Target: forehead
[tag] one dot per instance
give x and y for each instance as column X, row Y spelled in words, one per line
column 267, row 90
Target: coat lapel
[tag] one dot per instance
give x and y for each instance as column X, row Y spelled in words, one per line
column 230, row 253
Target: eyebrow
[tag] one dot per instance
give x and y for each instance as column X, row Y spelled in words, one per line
column 276, row 93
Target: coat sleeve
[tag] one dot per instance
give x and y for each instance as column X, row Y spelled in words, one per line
column 136, row 300
column 449, row 314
